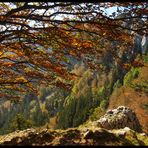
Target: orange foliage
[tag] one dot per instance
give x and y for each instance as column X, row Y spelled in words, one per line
column 25, row 58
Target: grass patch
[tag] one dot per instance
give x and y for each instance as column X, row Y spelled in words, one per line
column 144, row 139
column 145, row 58
column 98, row 112
column 131, row 75
column 142, row 86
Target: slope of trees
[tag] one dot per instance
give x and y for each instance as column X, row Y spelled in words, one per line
column 36, row 44
column 88, row 99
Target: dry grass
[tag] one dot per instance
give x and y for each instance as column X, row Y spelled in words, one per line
column 52, row 123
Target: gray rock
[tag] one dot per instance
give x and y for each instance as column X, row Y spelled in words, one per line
column 143, row 134
column 120, row 118
column 121, row 133
column 126, row 129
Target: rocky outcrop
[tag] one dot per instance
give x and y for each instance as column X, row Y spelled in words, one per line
column 74, row 137
column 115, row 130
column 118, row 118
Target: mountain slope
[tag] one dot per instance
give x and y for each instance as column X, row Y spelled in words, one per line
column 134, row 94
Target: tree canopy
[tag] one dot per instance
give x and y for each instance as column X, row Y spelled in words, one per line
column 38, row 38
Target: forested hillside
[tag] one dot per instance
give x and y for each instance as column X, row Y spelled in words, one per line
column 74, row 69
column 92, row 94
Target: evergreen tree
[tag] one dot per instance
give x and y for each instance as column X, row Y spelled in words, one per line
column 19, row 123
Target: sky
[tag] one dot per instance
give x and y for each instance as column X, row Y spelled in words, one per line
column 108, row 11
column 111, row 10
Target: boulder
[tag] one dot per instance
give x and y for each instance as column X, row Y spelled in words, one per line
column 118, row 118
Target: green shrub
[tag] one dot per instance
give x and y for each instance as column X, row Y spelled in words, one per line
column 103, row 103
column 132, row 74
column 117, row 84
column 20, row 123
column 145, row 58
column 98, row 112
